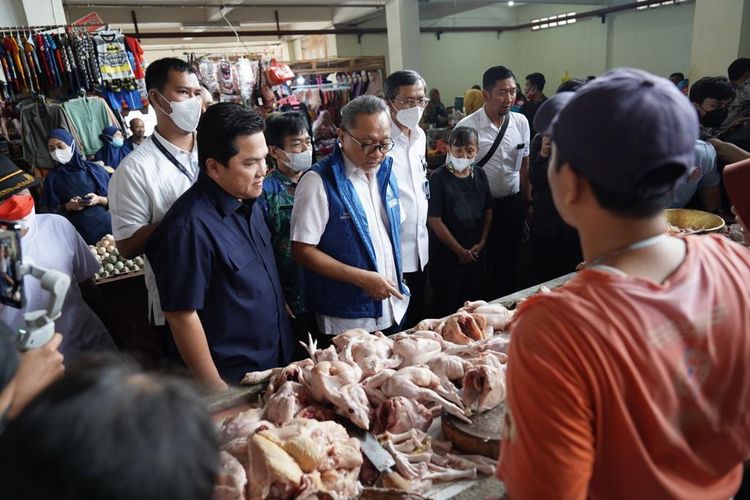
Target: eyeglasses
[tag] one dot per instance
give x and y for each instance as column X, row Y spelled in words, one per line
column 412, row 102
column 368, row 149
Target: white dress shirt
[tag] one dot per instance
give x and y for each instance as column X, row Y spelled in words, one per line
column 503, row 168
column 142, row 190
column 309, row 219
column 410, row 167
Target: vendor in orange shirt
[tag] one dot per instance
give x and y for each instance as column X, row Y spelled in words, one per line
column 632, row 380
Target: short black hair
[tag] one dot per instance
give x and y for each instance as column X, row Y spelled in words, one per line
column 537, row 80
column 220, row 125
column 738, row 68
column 476, row 87
column 652, row 193
column 108, row 430
column 399, row 79
column 571, row 85
column 157, row 73
column 716, row 87
column 680, row 76
column 463, row 136
column 494, row 75
column 283, row 125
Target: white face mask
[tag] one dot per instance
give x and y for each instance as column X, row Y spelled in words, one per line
column 185, row 114
column 62, row 156
column 299, row 162
column 27, row 221
column 459, row 164
column 410, row 117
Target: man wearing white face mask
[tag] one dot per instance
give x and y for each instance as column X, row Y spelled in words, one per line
column 149, row 180
column 405, row 93
column 289, row 144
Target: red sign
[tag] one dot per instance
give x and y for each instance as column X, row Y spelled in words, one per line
column 92, row 21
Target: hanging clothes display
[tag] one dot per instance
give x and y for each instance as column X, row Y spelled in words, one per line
column 228, row 78
column 38, row 118
column 90, row 115
column 118, row 79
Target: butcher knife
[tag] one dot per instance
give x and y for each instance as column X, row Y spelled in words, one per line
column 372, row 449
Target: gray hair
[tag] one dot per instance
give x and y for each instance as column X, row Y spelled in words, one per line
column 362, row 105
column 400, row 79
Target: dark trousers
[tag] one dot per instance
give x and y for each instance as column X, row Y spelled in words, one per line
column 417, row 282
column 554, row 257
column 503, row 245
column 454, row 284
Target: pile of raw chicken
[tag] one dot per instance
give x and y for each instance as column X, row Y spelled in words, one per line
column 291, row 446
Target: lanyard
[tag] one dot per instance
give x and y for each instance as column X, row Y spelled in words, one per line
column 648, row 242
column 171, row 158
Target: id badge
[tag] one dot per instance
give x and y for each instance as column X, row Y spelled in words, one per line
column 426, row 189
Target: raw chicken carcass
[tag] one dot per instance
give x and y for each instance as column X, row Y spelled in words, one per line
column 242, row 424
column 271, row 470
column 231, row 480
column 464, row 328
column 338, row 383
column 416, row 350
column 483, row 388
column 390, row 383
column 287, row 402
column 400, row 414
column 448, row 367
column 372, row 353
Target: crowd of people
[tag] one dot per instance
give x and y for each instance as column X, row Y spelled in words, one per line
column 638, row 364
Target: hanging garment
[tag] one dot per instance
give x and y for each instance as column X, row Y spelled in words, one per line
column 89, row 115
column 37, row 120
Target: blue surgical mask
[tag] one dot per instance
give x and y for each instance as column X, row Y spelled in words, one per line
column 118, row 142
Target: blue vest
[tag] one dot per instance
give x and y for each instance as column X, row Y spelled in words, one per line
column 347, row 239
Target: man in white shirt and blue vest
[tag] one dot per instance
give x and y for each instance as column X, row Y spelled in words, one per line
column 345, row 228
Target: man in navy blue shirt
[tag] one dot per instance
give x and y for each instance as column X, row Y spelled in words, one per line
column 213, row 259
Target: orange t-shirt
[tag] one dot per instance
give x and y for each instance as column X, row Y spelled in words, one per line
column 619, row 387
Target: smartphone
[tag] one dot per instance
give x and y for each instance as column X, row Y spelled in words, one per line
column 11, row 280
column 88, row 199
column 737, row 184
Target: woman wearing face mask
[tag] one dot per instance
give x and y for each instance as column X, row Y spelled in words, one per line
column 460, row 216
column 114, row 147
column 77, row 188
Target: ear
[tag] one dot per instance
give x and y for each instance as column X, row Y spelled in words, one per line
column 485, row 95
column 213, row 168
column 571, row 184
column 276, row 153
column 341, row 135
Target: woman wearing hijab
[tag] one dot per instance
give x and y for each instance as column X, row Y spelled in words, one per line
column 77, row 188
column 114, row 149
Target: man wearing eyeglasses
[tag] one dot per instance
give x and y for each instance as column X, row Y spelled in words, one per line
column 346, row 228
column 405, row 94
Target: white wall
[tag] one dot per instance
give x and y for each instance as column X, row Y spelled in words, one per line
column 658, row 40
column 12, row 13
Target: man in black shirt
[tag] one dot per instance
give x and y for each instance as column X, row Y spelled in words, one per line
column 534, row 92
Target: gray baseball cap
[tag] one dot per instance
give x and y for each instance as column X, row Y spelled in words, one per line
column 623, row 126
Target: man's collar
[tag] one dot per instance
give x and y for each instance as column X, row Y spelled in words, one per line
column 396, row 133
column 226, row 203
column 351, row 169
column 282, row 176
column 171, row 147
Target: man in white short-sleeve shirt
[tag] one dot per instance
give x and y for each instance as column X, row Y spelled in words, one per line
column 345, row 228
column 151, row 178
column 507, row 171
column 405, row 94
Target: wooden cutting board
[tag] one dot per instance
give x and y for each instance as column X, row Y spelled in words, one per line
column 481, row 437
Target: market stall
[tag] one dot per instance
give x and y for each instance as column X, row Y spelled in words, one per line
column 430, row 398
